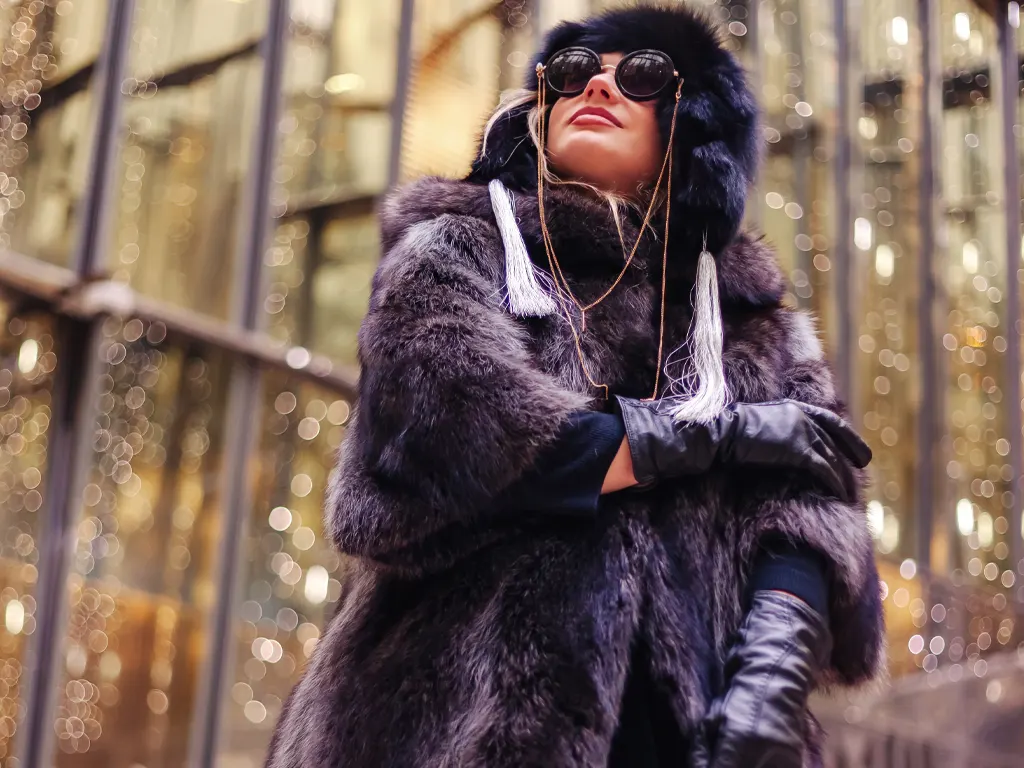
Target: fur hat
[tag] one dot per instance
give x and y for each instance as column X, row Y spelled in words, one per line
column 715, row 156
column 717, row 140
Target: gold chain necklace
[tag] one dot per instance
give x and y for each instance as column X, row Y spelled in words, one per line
column 562, row 284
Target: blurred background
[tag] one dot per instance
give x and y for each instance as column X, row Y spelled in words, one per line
column 187, row 234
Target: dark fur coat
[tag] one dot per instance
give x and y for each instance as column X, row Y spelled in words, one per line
column 474, row 637
column 469, row 637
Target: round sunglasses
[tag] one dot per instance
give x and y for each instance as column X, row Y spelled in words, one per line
column 641, row 75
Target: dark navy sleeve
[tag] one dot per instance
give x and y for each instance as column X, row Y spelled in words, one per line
column 568, row 475
column 794, row 568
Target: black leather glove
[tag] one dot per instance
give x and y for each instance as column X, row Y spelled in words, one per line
column 760, row 720
column 785, row 434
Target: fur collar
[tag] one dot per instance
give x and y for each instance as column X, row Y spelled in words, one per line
column 585, row 238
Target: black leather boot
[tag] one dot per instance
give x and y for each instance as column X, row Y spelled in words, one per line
column 760, row 720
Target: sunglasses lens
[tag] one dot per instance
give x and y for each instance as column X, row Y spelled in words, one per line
column 569, row 71
column 644, row 74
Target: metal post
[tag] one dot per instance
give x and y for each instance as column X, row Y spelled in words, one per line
column 755, row 77
column 110, row 73
column 403, row 80
column 1009, row 79
column 240, row 440
column 929, row 428
column 846, row 348
column 256, row 211
column 75, row 395
column 76, row 392
column 243, row 399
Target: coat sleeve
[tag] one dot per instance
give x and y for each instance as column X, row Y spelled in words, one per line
column 798, row 512
column 451, row 407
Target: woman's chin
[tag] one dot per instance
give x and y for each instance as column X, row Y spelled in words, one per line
column 581, row 157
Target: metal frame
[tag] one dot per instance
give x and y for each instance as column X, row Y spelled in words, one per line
column 1009, row 80
column 76, row 391
column 107, row 79
column 403, row 79
column 844, row 252
column 243, row 401
column 929, row 427
column 76, row 388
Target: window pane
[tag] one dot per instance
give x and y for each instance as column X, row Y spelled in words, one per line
column 46, row 118
column 887, row 242
column 191, row 112
column 293, row 575
column 27, row 361
column 339, row 85
column 798, row 87
column 332, row 164
column 321, row 279
column 974, row 515
column 457, row 72
column 142, row 579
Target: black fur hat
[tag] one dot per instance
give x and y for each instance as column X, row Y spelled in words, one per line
column 717, row 139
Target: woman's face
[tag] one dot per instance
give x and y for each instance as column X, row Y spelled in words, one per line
column 603, row 138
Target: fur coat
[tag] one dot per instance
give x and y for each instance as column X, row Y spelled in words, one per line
column 472, row 636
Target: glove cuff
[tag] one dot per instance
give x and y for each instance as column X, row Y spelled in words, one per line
column 638, row 418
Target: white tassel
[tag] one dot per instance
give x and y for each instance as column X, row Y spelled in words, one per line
column 704, row 389
column 526, row 295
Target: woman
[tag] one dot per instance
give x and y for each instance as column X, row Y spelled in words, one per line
column 510, row 603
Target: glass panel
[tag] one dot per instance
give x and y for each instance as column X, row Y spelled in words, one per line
column 293, row 575
column 142, row 578
column 456, row 77
column 49, row 52
column 323, row 265
column 332, row 163
column 27, row 361
column 193, row 97
column 339, row 85
column 887, row 243
column 975, row 515
column 797, row 67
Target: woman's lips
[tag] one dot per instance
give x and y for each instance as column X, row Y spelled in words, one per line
column 594, row 116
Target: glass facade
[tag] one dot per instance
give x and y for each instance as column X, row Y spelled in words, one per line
column 47, row 110
column 191, row 94
column 187, row 237
column 141, row 579
column 28, row 357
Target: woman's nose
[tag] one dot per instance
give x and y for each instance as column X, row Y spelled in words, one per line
column 602, row 86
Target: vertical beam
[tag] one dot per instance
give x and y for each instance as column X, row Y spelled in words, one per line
column 243, row 400
column 846, row 348
column 755, row 77
column 240, row 441
column 403, row 80
column 110, row 72
column 929, row 428
column 75, row 396
column 256, row 212
column 802, row 158
column 76, row 392
column 1007, row 20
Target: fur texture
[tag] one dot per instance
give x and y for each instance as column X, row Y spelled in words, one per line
column 475, row 638
column 470, row 637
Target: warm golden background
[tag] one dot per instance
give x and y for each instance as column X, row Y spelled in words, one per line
column 186, row 264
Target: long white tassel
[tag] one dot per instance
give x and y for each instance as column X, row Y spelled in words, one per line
column 526, row 296
column 705, row 393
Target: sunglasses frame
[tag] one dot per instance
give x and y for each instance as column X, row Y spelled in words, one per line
column 542, row 70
